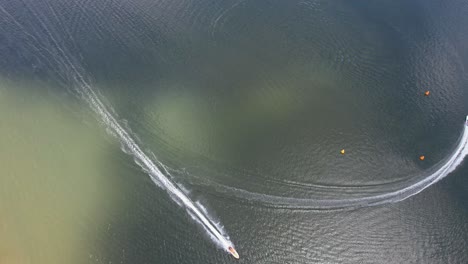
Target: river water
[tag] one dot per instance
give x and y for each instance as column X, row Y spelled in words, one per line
column 245, row 106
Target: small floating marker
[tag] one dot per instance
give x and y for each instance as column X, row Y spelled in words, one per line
column 422, row 157
column 342, row 152
column 427, row 93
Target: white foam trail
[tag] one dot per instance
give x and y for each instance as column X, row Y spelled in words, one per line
column 60, row 57
column 149, row 166
column 401, row 193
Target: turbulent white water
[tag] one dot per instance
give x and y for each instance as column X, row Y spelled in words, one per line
column 157, row 176
column 195, row 210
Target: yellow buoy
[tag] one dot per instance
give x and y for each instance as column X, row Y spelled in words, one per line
column 427, row 93
column 342, row 151
column 422, row 158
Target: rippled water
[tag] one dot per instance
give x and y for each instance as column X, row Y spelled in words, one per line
column 248, row 104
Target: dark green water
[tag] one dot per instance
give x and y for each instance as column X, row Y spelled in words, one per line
column 242, row 100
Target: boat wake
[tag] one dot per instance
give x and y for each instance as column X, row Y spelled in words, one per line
column 48, row 43
column 51, row 43
column 195, row 210
column 401, row 192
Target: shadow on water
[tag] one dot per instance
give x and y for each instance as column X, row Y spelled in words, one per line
column 54, row 185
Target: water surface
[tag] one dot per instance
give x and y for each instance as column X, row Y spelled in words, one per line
column 251, row 96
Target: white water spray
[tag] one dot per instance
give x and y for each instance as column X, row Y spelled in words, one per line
column 157, row 176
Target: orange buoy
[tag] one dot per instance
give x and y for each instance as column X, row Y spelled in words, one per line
column 427, row 93
column 422, row 158
column 342, row 152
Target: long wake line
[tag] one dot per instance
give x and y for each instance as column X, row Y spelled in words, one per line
column 156, row 175
column 57, row 55
column 397, row 195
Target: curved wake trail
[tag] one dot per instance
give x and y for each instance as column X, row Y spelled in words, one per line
column 400, row 194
